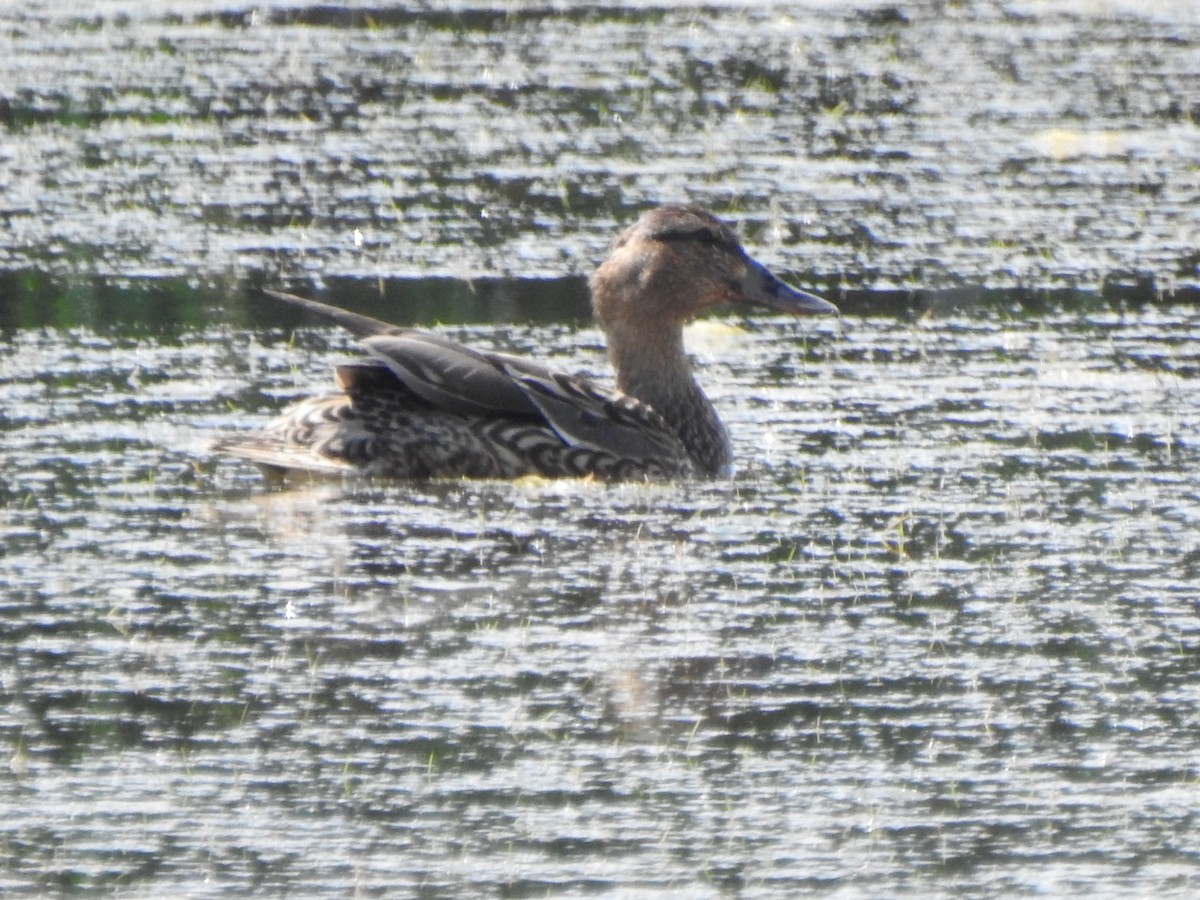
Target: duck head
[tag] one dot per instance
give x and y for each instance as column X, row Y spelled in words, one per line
column 677, row 261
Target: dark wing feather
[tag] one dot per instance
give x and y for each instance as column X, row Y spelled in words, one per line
column 469, row 382
column 585, row 416
column 359, row 326
column 451, row 376
column 439, row 371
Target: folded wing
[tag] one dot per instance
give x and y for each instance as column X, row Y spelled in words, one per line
column 453, row 377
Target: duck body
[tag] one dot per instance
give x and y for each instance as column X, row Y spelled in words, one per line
column 423, row 406
column 428, row 407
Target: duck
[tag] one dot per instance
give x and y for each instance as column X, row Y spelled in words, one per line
column 420, row 405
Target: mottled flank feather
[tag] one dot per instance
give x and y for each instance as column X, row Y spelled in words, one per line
column 378, row 427
column 427, row 407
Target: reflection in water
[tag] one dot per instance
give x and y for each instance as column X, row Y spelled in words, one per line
column 942, row 619
column 31, row 299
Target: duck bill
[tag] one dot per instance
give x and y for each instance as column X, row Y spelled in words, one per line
column 761, row 288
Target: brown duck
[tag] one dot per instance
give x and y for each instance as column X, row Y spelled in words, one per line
column 424, row 406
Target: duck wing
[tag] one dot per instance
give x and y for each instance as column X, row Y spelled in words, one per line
column 445, row 373
column 359, row 326
column 450, row 375
column 586, row 415
column 494, row 385
column 470, row 382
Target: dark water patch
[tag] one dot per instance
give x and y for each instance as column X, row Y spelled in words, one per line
column 32, row 298
column 464, row 18
column 164, row 306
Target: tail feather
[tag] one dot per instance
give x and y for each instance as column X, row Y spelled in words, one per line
column 278, row 455
column 358, row 325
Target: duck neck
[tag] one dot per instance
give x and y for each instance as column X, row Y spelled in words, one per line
column 652, row 366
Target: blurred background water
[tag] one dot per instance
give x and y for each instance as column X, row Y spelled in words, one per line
column 939, row 634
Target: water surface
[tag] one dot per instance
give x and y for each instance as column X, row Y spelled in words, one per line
column 940, row 633
column 1033, row 145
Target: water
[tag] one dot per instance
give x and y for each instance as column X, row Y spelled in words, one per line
column 1028, row 145
column 940, row 633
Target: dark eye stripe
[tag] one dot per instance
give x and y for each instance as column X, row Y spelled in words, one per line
column 703, row 234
